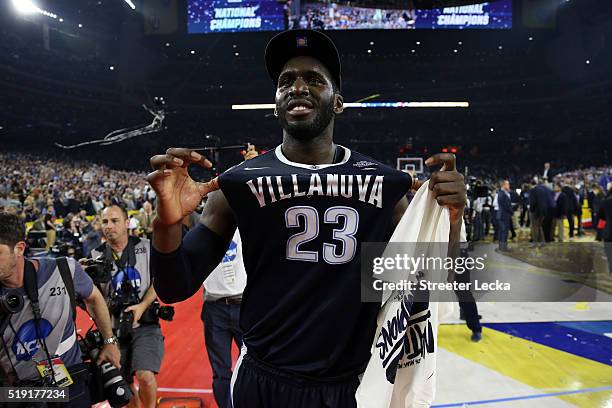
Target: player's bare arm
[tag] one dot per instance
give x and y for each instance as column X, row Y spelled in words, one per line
column 218, row 216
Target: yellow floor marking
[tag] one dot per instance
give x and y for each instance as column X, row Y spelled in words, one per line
column 536, row 365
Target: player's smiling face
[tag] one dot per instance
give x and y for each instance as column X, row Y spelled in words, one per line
column 305, row 98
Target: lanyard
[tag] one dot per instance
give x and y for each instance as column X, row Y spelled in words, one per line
column 31, row 289
column 128, row 256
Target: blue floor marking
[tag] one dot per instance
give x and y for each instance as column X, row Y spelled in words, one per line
column 582, row 339
column 524, row 397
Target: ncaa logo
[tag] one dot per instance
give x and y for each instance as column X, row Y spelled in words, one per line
column 132, row 275
column 231, row 253
column 26, row 344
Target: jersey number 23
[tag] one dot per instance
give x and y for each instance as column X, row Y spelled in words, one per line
column 333, row 253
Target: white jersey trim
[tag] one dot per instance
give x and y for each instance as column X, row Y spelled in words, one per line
column 279, row 154
column 243, row 351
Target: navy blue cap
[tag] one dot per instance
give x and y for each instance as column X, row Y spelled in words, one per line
column 292, row 43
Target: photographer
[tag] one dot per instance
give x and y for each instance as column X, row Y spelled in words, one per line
column 42, row 333
column 129, row 292
column 72, row 234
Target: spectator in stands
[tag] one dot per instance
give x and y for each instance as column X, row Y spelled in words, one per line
column 72, row 234
column 59, row 208
column 4, row 202
column 86, row 204
column 93, row 236
column 72, row 204
column 8, row 201
column 547, row 174
column 605, row 179
column 134, row 226
column 108, row 200
column 50, row 229
column 98, row 204
column 145, row 217
column 128, row 199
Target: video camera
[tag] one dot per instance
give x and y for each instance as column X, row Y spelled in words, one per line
column 107, row 383
column 61, row 249
column 477, row 188
column 99, row 270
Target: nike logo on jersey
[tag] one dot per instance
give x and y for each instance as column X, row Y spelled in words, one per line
column 270, row 189
column 255, row 168
column 364, row 163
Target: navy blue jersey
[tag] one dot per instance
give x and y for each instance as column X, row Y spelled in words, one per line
column 302, row 227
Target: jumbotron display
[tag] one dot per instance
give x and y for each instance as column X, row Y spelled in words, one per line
column 217, row 16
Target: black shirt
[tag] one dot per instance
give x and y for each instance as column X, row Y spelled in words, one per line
column 302, row 227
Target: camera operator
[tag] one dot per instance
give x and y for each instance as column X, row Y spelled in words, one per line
column 42, row 334
column 480, row 198
column 129, row 292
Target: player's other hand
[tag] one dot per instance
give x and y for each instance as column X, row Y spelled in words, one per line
column 447, row 185
column 177, row 193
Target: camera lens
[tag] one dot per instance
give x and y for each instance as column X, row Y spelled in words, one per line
column 12, row 303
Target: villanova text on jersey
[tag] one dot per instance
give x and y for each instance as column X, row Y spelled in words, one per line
column 269, row 189
column 302, row 227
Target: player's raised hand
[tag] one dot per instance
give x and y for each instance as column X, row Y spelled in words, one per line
column 447, row 185
column 177, row 193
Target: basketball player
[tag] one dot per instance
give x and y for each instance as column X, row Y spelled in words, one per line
column 303, row 209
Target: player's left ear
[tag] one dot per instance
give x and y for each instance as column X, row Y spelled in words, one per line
column 338, row 104
column 19, row 248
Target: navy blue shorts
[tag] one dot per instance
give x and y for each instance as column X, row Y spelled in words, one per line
column 258, row 385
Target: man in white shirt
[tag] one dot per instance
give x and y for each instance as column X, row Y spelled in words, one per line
column 547, row 174
column 221, row 312
column 221, row 315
